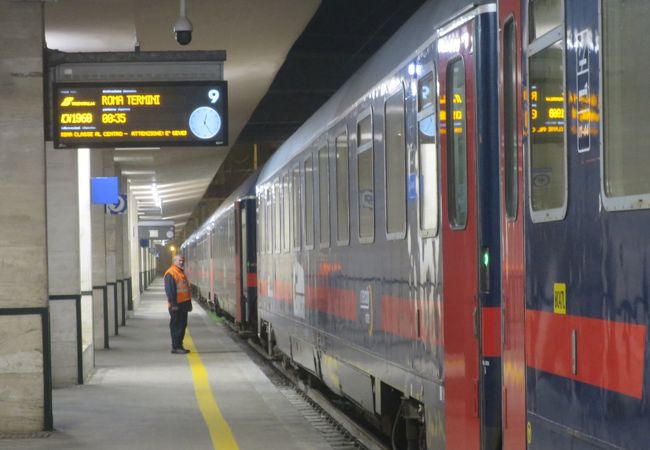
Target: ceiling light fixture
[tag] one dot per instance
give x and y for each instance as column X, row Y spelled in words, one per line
column 156, row 198
column 138, row 172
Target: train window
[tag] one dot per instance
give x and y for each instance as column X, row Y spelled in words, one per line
column 297, row 213
column 324, row 196
column 456, row 145
column 510, row 175
column 544, row 16
column 364, row 132
column 365, row 171
column 342, row 190
column 626, row 144
column 309, row 203
column 261, row 224
column 426, row 92
column 548, row 169
column 395, row 163
column 266, row 223
column 277, row 223
column 269, row 220
column 286, row 223
column 428, row 156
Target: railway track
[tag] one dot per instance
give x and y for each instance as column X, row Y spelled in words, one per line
column 340, row 430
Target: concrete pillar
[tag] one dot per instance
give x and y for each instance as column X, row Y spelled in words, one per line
column 126, row 260
column 25, row 368
column 134, row 249
column 152, row 261
column 86, row 264
column 144, row 252
column 100, row 291
column 111, row 270
column 68, row 204
column 119, row 269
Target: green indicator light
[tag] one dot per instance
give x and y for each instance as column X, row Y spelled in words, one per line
column 486, row 258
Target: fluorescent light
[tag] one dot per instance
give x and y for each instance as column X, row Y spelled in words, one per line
column 138, row 172
column 156, row 197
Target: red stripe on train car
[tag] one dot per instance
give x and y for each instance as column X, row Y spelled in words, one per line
column 263, row 288
column 409, row 318
column 337, row 302
column 342, row 303
column 399, row 316
column 609, row 354
column 252, row 280
column 283, row 291
column 491, row 331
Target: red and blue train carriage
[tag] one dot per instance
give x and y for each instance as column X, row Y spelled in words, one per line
column 585, row 243
column 354, row 274
column 222, row 260
column 456, row 238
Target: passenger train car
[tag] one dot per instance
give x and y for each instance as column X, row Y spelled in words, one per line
column 577, row 337
column 221, row 258
column 455, row 240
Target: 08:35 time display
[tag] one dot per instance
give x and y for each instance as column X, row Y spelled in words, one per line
column 114, row 118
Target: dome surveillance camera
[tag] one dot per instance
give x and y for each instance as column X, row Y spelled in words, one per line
column 183, row 30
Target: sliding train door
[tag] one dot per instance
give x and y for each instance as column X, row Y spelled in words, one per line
column 459, row 238
column 240, row 261
column 513, row 398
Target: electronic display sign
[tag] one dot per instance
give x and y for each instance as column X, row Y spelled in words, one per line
column 546, row 110
column 140, row 114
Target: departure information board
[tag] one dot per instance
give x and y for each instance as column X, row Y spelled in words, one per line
column 140, row 114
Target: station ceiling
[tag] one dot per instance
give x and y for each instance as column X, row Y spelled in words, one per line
column 284, row 59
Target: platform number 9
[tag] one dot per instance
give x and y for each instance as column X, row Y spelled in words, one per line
column 213, row 95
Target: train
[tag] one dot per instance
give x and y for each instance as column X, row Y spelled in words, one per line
column 221, row 259
column 456, row 240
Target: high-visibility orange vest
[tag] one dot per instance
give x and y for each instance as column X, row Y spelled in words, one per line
column 183, row 293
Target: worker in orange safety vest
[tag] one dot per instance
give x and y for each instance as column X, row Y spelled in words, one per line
column 179, row 302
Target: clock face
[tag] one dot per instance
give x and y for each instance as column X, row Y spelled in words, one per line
column 428, row 126
column 205, row 122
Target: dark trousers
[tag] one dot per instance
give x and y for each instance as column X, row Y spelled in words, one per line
column 177, row 325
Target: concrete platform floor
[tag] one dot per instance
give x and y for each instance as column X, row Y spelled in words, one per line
column 142, row 397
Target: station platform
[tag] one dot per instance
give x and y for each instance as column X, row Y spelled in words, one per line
column 143, row 397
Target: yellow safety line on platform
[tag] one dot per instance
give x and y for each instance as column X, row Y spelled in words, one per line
column 222, row 438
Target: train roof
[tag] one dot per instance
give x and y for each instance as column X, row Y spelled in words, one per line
column 244, row 190
column 403, row 45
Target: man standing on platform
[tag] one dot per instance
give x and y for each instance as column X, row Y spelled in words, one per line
column 179, row 302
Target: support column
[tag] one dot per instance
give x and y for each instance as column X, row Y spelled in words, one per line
column 119, row 269
column 25, row 359
column 65, row 182
column 126, row 252
column 88, row 329
column 134, row 250
column 100, row 291
column 111, row 271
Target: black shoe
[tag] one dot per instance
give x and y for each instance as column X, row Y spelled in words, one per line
column 179, row 351
column 186, row 350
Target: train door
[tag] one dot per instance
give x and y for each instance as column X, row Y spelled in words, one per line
column 240, row 260
column 211, row 265
column 243, row 258
column 459, row 238
column 513, row 391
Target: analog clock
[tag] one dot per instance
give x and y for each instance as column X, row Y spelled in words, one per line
column 428, row 126
column 205, row 122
